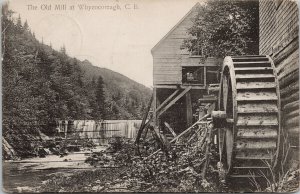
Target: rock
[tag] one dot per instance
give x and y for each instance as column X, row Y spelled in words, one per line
column 42, row 153
column 8, row 151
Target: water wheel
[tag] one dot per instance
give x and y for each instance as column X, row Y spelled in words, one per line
column 250, row 104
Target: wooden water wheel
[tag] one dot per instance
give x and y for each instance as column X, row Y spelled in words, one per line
column 249, row 100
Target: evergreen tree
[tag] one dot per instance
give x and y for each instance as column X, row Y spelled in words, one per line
column 19, row 24
column 100, row 98
column 26, row 27
column 63, row 49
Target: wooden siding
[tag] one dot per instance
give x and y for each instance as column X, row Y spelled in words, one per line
column 167, row 55
column 279, row 39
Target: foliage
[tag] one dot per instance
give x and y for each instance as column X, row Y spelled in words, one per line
column 224, row 27
column 178, row 171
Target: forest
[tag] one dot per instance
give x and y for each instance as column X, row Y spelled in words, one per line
column 42, row 85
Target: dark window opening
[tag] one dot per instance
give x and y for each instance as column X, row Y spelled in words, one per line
column 193, row 75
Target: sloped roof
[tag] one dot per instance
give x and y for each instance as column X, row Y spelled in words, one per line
column 184, row 17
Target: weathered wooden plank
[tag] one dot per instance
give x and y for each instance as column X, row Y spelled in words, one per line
column 289, row 79
column 166, row 60
column 291, row 106
column 257, row 155
column 291, row 98
column 189, row 111
column 288, row 71
column 251, row 144
column 291, row 114
column 170, row 129
column 254, row 96
column 255, row 76
column 253, row 69
column 164, row 82
column 290, row 89
column 292, row 57
column 294, row 132
column 255, row 85
column 257, row 120
column 257, row 132
column 261, row 107
column 292, row 122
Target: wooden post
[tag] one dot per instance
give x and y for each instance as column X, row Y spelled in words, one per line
column 189, row 111
column 170, row 129
column 154, row 106
column 137, row 140
column 157, row 116
column 204, row 69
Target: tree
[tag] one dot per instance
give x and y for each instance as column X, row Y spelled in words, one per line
column 224, row 27
column 100, row 98
column 26, row 27
column 63, row 49
column 19, row 24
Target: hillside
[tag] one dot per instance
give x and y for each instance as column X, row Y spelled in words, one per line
column 42, row 85
column 127, row 96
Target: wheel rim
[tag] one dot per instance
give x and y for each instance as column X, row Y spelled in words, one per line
column 226, row 137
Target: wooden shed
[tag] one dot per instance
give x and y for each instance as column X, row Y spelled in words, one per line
column 279, row 29
column 179, row 78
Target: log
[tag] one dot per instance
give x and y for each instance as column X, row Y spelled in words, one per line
column 167, row 100
column 170, row 129
column 174, row 100
column 177, row 137
column 207, row 151
column 218, row 114
column 188, row 129
column 137, row 139
column 189, row 111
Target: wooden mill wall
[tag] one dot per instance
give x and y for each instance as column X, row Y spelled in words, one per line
column 279, row 38
column 167, row 55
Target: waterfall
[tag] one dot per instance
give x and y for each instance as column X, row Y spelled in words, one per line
column 100, row 131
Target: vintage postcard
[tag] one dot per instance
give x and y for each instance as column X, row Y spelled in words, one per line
column 150, row 96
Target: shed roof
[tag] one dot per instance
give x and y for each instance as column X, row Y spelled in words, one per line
column 184, row 17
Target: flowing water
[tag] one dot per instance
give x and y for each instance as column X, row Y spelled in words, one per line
column 25, row 175
column 29, row 174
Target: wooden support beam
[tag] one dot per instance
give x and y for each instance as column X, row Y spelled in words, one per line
column 138, row 136
column 170, row 129
column 167, row 100
column 154, row 105
column 204, row 69
column 173, row 101
column 183, row 86
column 189, row 111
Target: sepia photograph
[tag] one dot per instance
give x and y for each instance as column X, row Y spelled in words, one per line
column 158, row 96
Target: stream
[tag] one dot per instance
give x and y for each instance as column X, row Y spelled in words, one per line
column 28, row 175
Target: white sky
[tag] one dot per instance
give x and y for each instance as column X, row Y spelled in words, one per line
column 119, row 40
